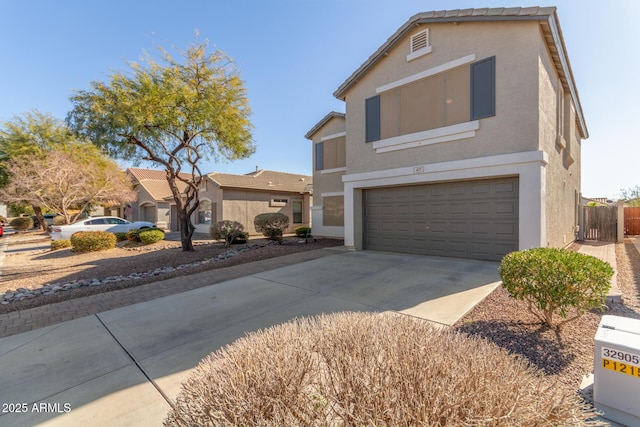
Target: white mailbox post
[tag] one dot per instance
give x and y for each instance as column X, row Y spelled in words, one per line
column 616, row 387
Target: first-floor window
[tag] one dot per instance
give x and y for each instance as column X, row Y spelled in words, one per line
column 204, row 212
column 297, row 212
column 333, row 211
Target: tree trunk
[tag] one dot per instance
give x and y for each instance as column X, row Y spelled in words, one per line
column 186, row 230
column 37, row 210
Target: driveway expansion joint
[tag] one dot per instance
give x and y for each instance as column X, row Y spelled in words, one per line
column 135, row 362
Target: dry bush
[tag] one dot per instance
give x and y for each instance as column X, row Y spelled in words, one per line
column 369, row 369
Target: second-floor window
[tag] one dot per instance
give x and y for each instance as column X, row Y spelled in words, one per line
column 451, row 97
column 331, row 154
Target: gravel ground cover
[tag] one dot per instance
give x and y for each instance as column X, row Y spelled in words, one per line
column 33, row 269
column 565, row 355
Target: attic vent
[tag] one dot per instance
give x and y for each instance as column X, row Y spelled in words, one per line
column 419, row 45
column 420, row 40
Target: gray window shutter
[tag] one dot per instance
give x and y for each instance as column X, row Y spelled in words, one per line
column 483, row 88
column 372, row 112
column 319, row 156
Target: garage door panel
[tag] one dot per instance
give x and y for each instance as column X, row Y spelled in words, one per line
column 508, row 188
column 508, row 208
column 481, row 228
column 506, row 229
column 481, row 189
column 459, row 228
column 481, row 207
column 458, row 208
column 472, row 219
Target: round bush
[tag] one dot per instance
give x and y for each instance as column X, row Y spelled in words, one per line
column 120, row 236
column 369, row 369
column 150, row 236
column 60, row 244
column 133, row 235
column 89, row 241
column 59, row 220
column 556, row 282
column 227, row 231
column 302, row 231
column 271, row 225
column 21, row 223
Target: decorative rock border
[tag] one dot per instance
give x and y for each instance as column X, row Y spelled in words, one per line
column 52, row 288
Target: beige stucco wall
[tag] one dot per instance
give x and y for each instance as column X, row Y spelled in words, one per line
column 326, row 183
column 143, row 199
column 243, row 206
column 513, row 129
column 562, row 176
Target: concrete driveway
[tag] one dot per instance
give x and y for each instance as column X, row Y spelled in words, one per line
column 122, row 367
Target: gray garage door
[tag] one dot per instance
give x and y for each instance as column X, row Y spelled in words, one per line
column 468, row 219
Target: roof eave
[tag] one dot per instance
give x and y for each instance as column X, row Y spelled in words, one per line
column 324, row 121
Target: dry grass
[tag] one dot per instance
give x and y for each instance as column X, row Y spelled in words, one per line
column 369, row 369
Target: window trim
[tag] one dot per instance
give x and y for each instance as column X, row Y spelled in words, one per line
column 427, row 73
column 428, row 137
column 335, row 170
column 279, row 202
column 333, row 136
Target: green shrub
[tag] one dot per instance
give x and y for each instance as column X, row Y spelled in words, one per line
column 60, row 244
column 370, row 369
column 152, row 235
column 21, row 223
column 227, row 231
column 59, row 220
column 242, row 238
column 302, row 231
column 271, row 225
column 89, row 241
column 121, row 236
column 556, row 282
column 133, row 235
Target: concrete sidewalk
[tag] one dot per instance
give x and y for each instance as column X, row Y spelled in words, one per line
column 605, row 251
column 124, row 367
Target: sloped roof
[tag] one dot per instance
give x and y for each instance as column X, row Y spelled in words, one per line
column 325, row 119
column 265, row 180
column 550, row 28
column 155, row 182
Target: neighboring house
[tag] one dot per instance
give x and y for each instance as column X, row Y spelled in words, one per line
column 242, row 197
column 155, row 200
column 224, row 197
column 461, row 137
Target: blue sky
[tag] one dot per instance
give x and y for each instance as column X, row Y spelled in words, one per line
column 293, row 54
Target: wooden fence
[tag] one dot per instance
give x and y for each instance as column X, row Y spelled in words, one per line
column 632, row 221
column 601, row 223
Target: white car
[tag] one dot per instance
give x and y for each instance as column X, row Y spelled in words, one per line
column 103, row 223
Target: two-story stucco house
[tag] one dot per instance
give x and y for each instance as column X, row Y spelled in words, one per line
column 461, row 138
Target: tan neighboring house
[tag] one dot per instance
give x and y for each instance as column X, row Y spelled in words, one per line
column 155, row 201
column 461, row 137
column 225, row 197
